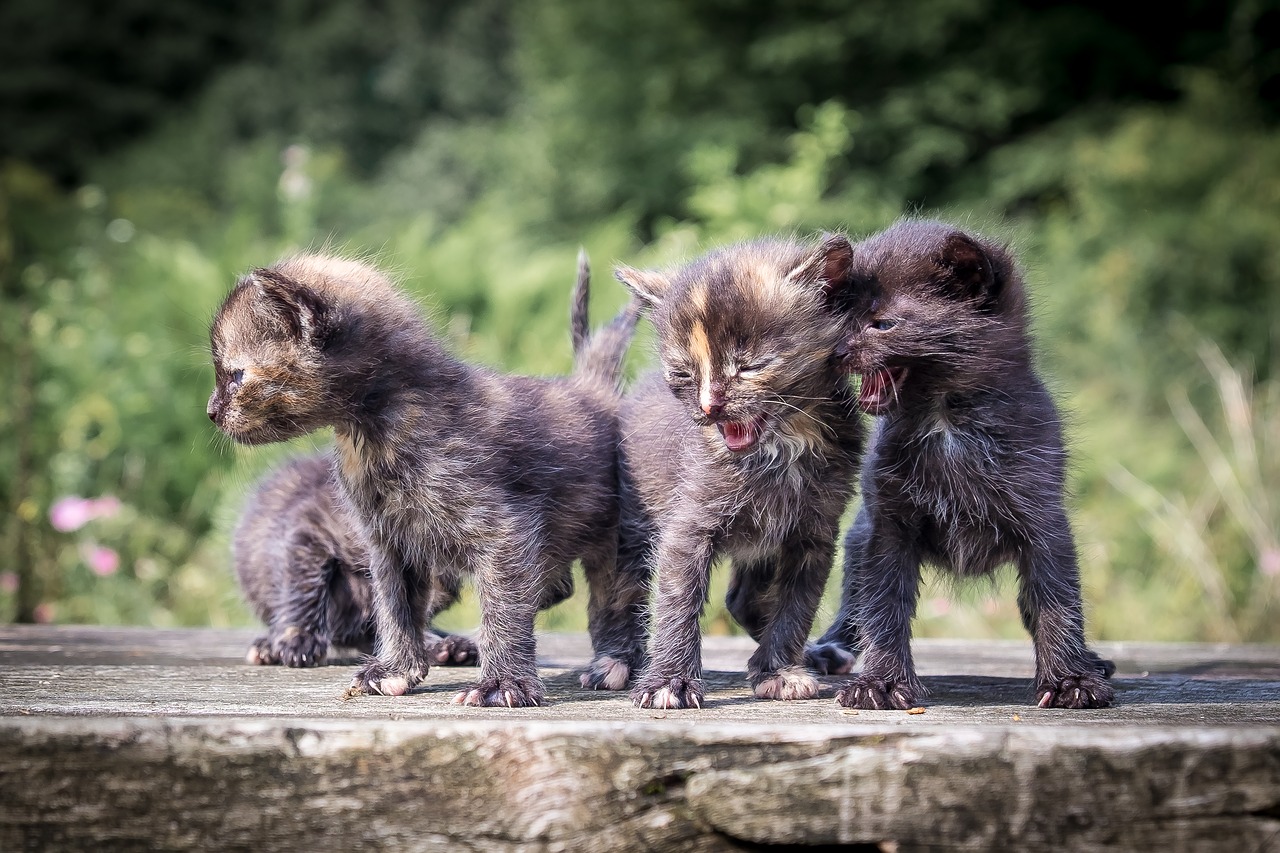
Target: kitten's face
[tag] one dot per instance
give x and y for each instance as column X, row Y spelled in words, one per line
column 747, row 340
column 933, row 314
column 268, row 382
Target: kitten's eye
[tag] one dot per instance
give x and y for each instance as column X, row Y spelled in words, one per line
column 753, row 367
column 237, row 377
column 883, row 324
column 678, row 375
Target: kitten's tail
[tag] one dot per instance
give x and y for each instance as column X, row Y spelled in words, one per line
column 598, row 357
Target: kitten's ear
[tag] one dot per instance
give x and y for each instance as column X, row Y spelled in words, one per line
column 965, row 271
column 649, row 287
column 829, row 267
column 305, row 313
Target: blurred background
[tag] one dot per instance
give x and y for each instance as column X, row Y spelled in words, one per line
column 152, row 152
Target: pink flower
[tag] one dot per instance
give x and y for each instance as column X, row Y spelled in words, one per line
column 103, row 561
column 73, row 512
column 9, row 582
column 45, row 612
column 70, row 513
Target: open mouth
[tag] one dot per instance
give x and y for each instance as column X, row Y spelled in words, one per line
column 879, row 389
column 739, row 436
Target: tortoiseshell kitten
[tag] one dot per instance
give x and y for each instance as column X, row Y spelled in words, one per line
column 966, row 465
column 303, row 566
column 448, row 468
column 746, row 446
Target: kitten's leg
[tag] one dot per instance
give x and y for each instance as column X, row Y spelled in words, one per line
column 1068, row 673
column 750, row 597
column 509, row 585
column 776, row 670
column 838, row 648
column 673, row 678
column 887, row 573
column 617, row 615
column 444, row 648
column 401, row 598
column 299, row 633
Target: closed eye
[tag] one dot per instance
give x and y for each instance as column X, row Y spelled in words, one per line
column 676, row 374
column 753, row 368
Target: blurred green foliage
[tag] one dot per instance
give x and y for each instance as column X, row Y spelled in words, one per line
column 471, row 147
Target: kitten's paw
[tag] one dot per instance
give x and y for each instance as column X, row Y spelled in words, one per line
column 606, row 673
column 453, row 650
column 375, row 678
column 871, row 693
column 791, row 682
column 260, row 653
column 503, row 692
column 1106, row 667
column 1085, row 690
column 669, row 693
column 296, row 647
column 829, row 658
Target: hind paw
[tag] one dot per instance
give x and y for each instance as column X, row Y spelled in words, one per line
column 606, row 672
column 295, row 647
column 668, row 693
column 453, row 650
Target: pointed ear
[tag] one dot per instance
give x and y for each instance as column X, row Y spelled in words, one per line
column 307, row 317
column 648, row 286
column 829, row 267
column 965, row 271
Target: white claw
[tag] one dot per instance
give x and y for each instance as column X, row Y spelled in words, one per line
column 697, row 703
column 511, row 700
column 1046, row 699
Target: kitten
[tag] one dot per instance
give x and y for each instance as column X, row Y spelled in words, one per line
column 303, row 566
column 966, row 465
column 449, row 468
column 745, row 447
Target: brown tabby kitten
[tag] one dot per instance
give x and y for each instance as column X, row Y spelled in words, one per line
column 449, row 468
column 747, row 450
column 303, row 566
column 966, row 465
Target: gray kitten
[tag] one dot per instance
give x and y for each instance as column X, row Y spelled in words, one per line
column 451, row 469
column 966, row 466
column 746, row 446
column 303, row 566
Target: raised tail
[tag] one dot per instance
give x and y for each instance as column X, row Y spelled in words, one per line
column 598, row 357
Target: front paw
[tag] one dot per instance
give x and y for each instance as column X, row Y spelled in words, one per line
column 375, row 678
column 790, row 682
column 870, row 692
column 503, row 692
column 1084, row 690
column 295, row 647
column 260, row 653
column 675, row 692
column 606, row 673
column 829, row 658
column 453, row 650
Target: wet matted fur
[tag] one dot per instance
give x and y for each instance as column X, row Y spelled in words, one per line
column 449, row 468
column 966, row 465
column 746, row 446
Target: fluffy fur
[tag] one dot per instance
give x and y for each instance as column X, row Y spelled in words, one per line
column 450, row 469
column 303, row 566
column 746, row 446
column 965, row 468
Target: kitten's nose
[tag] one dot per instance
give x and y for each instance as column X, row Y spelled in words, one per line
column 212, row 409
column 713, row 409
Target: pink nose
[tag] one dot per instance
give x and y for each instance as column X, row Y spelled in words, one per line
column 712, row 409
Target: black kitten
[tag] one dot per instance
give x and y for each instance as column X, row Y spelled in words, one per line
column 748, row 450
column 303, row 566
column 450, row 468
column 966, row 465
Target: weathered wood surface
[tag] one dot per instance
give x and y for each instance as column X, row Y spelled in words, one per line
column 163, row 740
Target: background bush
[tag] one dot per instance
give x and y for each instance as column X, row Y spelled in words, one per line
column 152, row 154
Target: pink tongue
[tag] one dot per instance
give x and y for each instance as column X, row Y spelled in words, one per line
column 873, row 387
column 737, row 436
